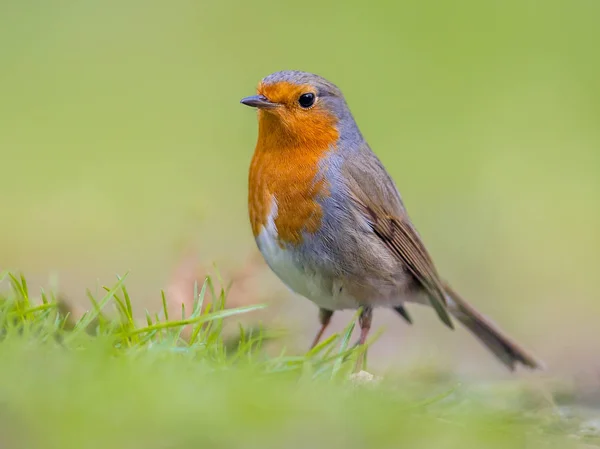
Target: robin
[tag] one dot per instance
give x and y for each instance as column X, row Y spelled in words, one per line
column 330, row 222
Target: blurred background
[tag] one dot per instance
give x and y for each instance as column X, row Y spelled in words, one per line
column 124, row 148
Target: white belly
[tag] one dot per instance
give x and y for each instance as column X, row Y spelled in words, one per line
column 302, row 280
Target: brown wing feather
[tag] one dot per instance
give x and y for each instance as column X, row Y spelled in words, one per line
column 375, row 195
column 402, row 239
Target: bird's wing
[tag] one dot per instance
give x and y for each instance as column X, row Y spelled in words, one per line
column 376, row 197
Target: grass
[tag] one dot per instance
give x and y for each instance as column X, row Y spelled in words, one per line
column 108, row 379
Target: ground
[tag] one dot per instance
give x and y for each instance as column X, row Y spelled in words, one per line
column 99, row 382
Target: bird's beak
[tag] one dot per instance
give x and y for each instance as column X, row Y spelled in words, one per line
column 258, row 101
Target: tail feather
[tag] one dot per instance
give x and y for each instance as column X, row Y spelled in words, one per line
column 400, row 310
column 507, row 350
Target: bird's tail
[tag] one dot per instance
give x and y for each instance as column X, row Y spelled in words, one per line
column 507, row 350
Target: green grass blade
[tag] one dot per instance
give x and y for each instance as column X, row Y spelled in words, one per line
column 344, row 345
column 87, row 319
column 205, row 318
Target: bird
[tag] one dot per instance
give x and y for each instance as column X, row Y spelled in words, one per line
column 330, row 222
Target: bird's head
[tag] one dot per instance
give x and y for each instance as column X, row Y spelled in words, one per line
column 299, row 109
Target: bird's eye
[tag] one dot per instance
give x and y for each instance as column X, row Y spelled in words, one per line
column 306, row 100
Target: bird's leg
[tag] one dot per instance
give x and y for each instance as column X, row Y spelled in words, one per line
column 324, row 319
column 364, row 321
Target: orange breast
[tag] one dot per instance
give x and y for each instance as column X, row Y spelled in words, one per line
column 286, row 165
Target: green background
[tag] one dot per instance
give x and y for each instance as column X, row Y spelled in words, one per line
column 122, row 139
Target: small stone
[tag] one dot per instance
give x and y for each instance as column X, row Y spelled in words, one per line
column 591, row 427
column 364, row 378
